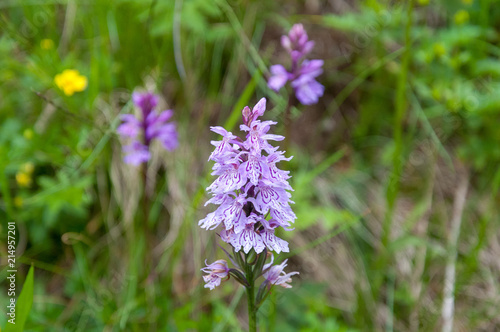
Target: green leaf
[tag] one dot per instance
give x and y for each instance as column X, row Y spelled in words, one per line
column 349, row 21
column 23, row 304
column 407, row 241
column 488, row 66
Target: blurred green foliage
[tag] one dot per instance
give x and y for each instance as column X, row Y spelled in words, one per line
column 207, row 60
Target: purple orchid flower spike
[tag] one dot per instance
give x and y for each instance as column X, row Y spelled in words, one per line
column 303, row 73
column 253, row 200
column 249, row 180
column 142, row 131
column 249, row 186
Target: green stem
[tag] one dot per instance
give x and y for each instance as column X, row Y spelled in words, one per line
column 272, row 314
column 384, row 258
column 145, row 198
column 400, row 106
column 252, row 310
column 6, row 194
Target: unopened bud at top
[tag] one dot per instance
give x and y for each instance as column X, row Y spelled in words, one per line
column 297, row 42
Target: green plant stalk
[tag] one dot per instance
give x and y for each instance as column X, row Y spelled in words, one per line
column 145, row 198
column 252, row 310
column 400, row 105
column 6, row 194
column 271, row 322
column 384, row 258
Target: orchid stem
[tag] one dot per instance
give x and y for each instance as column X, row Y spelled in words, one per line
column 252, row 310
column 145, row 198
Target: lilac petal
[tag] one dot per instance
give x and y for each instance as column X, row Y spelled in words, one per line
column 211, row 221
column 311, row 68
column 247, row 240
column 286, row 43
column 308, row 90
column 271, row 197
column 221, row 131
column 254, row 167
column 136, row 153
column 165, row 116
column 276, row 276
column 273, row 242
column 233, row 212
column 247, row 113
column 296, row 55
column 308, row 47
column 259, row 108
column 273, row 137
column 216, row 272
column 168, row 137
column 221, row 146
column 130, row 126
column 297, row 32
column 283, row 216
column 232, row 179
column 129, row 118
column 219, row 199
column 279, row 77
column 227, row 235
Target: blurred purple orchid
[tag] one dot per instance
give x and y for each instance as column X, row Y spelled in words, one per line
column 303, row 73
column 142, row 131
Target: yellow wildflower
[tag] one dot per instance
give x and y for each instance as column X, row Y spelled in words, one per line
column 23, row 179
column 70, row 81
column 46, row 44
column 439, row 49
column 18, row 201
column 461, row 17
column 28, row 168
column 28, row 134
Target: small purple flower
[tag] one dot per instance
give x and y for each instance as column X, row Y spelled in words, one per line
column 307, row 89
column 142, row 131
column 279, row 77
column 217, row 271
column 302, row 74
column 276, row 276
column 130, row 127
